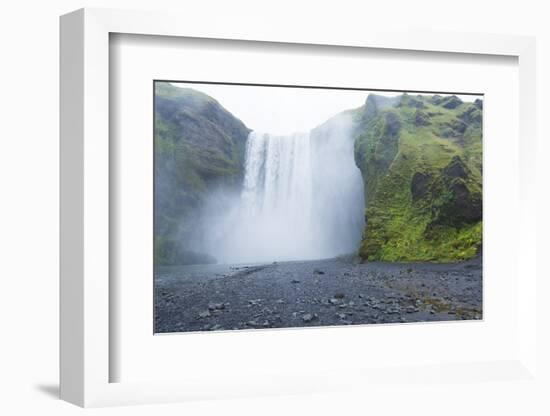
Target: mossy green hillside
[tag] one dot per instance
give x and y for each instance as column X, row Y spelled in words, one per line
column 199, row 146
column 421, row 161
column 420, row 158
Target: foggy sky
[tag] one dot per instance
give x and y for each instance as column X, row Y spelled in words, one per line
column 286, row 110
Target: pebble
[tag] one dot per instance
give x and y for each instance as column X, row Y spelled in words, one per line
column 308, row 317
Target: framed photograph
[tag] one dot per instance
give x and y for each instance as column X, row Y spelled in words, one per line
column 340, row 207
column 241, row 215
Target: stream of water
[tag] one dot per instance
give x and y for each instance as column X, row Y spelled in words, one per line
column 302, row 198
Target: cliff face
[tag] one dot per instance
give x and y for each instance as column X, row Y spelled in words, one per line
column 421, row 162
column 199, row 146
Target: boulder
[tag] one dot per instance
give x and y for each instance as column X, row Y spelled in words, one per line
column 451, row 102
column 420, row 185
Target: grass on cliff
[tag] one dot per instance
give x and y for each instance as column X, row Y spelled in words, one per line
column 396, row 227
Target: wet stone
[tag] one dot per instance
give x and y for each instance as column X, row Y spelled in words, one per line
column 308, row 317
column 205, row 314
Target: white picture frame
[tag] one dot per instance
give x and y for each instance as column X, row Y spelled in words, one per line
column 85, row 203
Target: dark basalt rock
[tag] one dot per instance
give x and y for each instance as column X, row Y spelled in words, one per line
column 393, row 125
column 471, row 115
column 436, row 99
column 421, row 118
column 415, row 102
column 456, row 203
column 455, row 169
column 454, row 129
column 420, row 185
column 463, row 206
column 451, row 102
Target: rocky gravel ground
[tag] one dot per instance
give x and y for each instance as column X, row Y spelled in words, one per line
column 314, row 293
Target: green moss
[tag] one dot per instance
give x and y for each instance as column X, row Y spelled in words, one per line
column 443, row 222
column 198, row 147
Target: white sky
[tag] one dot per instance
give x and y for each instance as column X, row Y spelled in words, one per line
column 281, row 110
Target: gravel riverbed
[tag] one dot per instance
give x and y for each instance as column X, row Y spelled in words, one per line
column 337, row 291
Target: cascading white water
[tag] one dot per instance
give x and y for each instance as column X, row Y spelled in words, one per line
column 302, row 197
column 276, row 199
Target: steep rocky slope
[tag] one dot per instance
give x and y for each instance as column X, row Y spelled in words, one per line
column 421, row 161
column 199, row 146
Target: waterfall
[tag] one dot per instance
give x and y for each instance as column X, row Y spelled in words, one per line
column 302, row 197
column 276, row 200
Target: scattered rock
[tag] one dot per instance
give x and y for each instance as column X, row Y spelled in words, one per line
column 216, row 306
column 455, row 168
column 421, row 118
column 308, row 317
column 334, row 301
column 317, row 271
column 339, row 295
column 294, row 281
column 205, row 314
column 420, row 185
column 451, row 102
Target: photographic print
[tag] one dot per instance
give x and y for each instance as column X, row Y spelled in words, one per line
column 287, row 206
